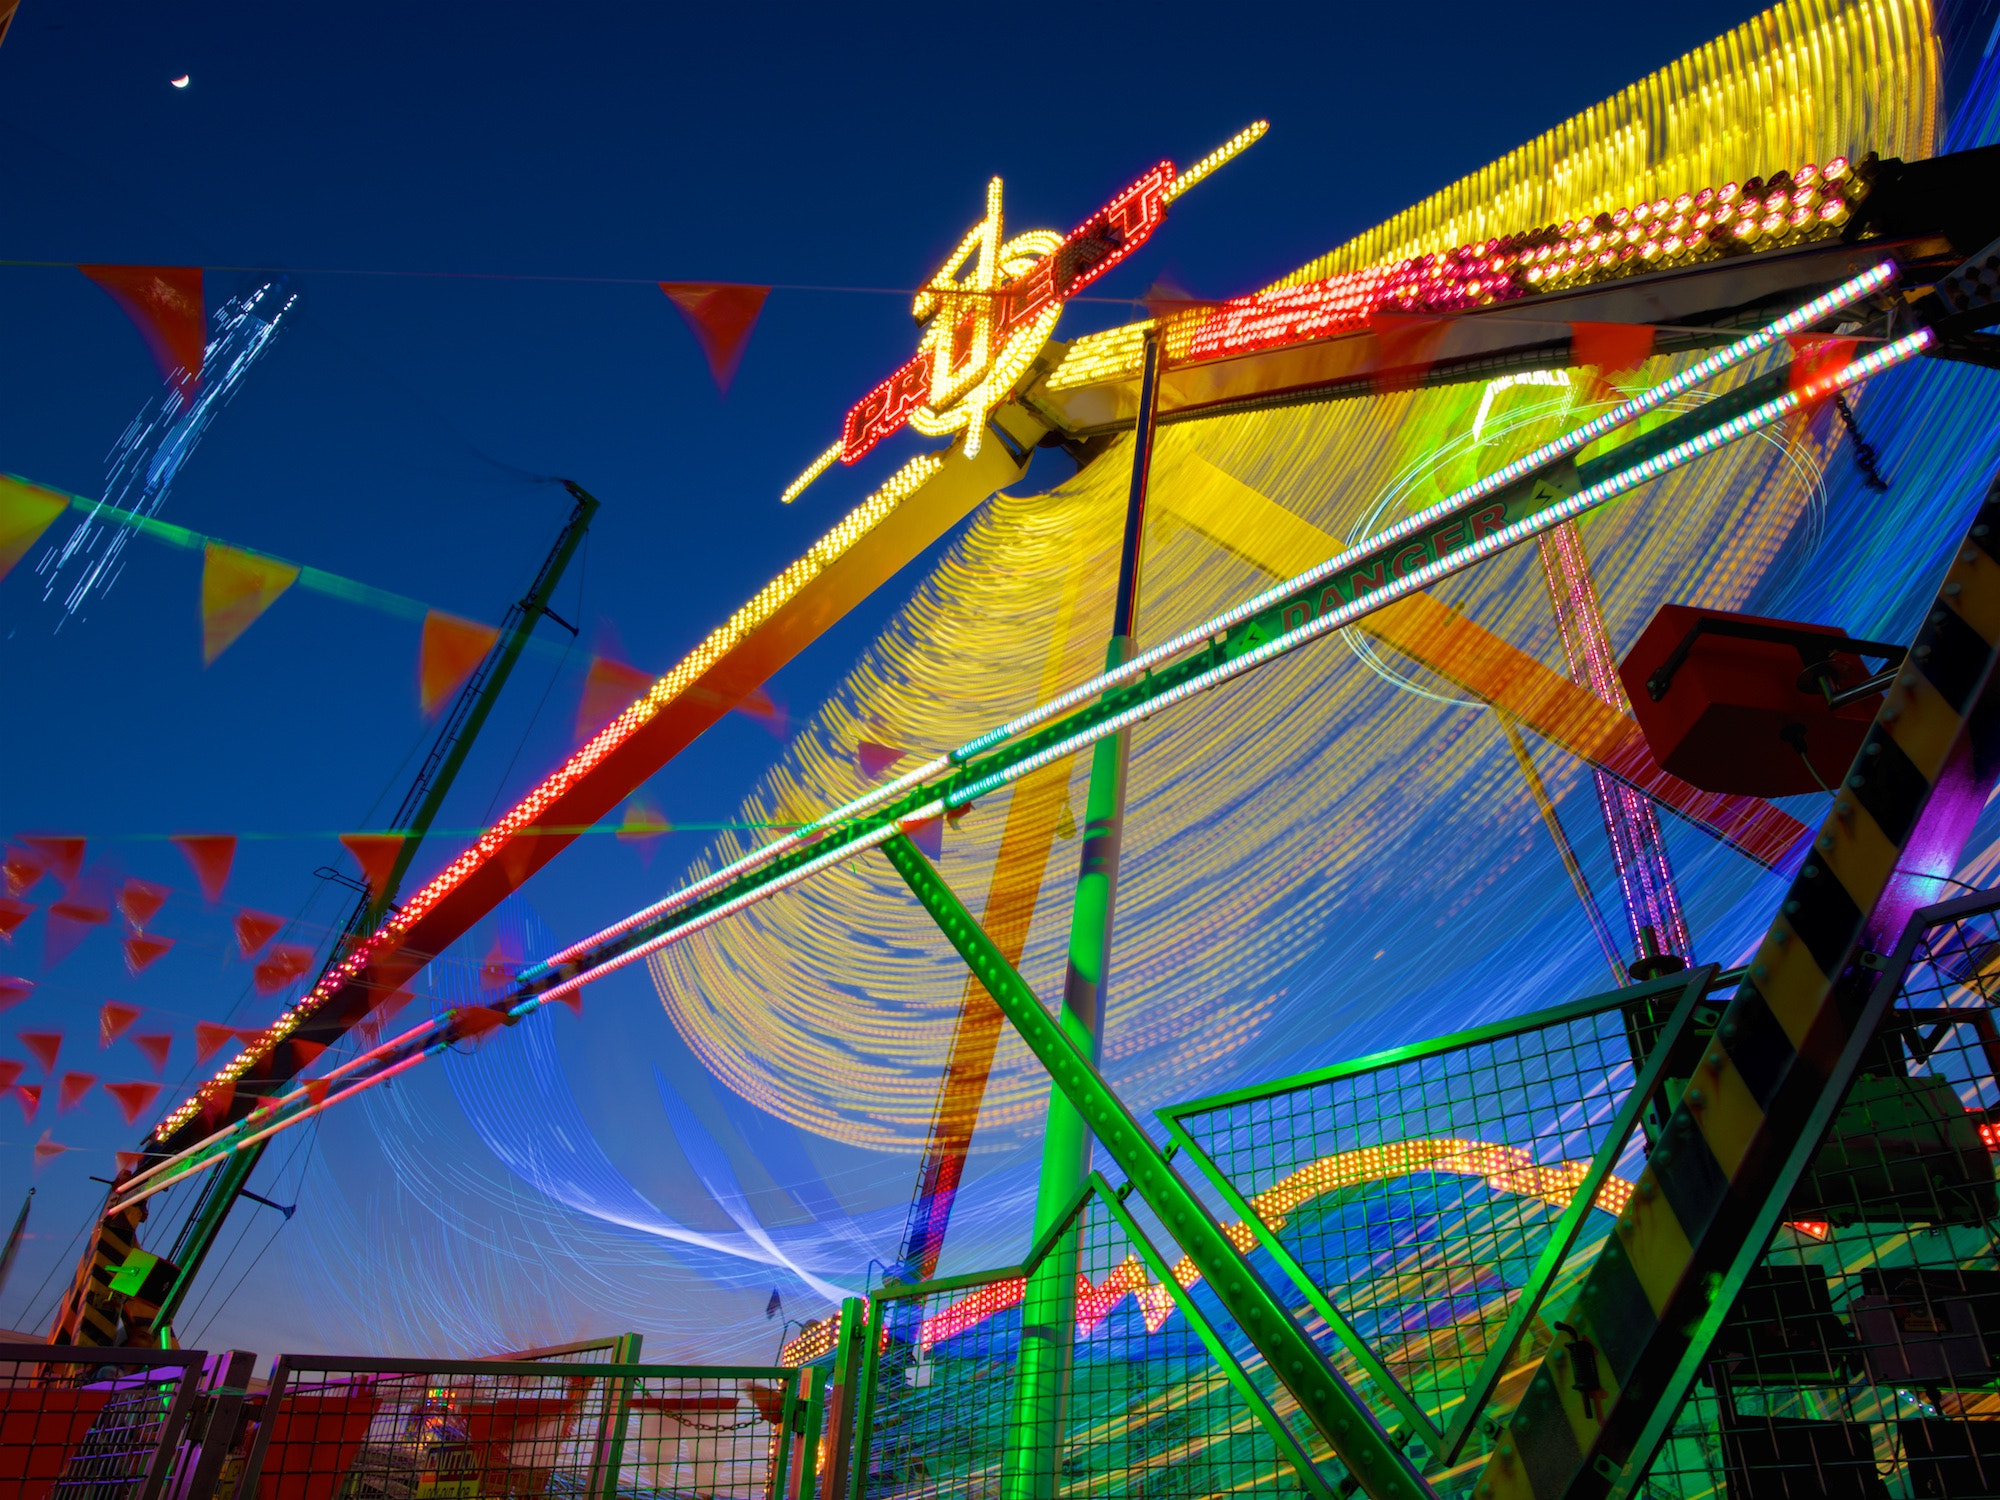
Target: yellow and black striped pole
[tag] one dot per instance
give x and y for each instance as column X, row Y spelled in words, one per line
column 1779, row 1064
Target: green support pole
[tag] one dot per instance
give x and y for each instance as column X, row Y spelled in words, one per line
column 1377, row 1465
column 1048, row 1308
column 419, row 810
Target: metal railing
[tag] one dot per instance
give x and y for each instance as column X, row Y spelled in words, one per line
column 334, row 1428
column 97, row 1424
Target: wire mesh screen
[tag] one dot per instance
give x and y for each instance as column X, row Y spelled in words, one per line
column 456, row 1430
column 1863, row 1357
column 1137, row 1407
column 1417, row 1192
column 93, row 1424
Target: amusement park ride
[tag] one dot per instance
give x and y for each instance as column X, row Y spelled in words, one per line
column 1750, row 1249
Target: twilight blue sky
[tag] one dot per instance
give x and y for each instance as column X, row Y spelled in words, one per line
column 396, row 433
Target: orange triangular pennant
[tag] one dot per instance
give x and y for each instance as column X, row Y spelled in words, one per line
column 451, row 649
column 132, row 1100
column 210, row 855
column 26, row 511
column 376, row 854
column 607, row 689
column 165, row 303
column 254, row 929
column 236, row 587
column 114, row 1019
column 721, row 315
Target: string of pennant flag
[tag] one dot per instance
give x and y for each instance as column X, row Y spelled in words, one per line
column 165, row 303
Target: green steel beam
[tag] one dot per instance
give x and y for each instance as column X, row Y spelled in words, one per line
column 1048, row 1308
column 1347, row 1426
column 1445, row 1443
column 419, row 810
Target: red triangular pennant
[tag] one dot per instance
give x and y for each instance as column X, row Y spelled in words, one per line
column 382, row 1013
column 284, row 964
column 875, row 757
column 132, row 1099
column 12, row 914
column 114, row 1019
column 10, row 1071
column 215, row 1101
column 317, row 1090
column 721, row 315
column 140, row 901
column 928, row 836
column 1406, row 346
column 306, row 1053
column 210, row 1037
column 21, row 870
column 608, row 688
column 210, row 855
column 155, row 1045
column 758, row 704
column 236, row 588
column 165, row 304
column 573, row 999
column 26, row 511
column 70, row 921
column 477, row 1020
column 30, row 1097
column 376, row 854
column 141, row 951
column 64, row 856
column 43, row 1046
column 47, row 1150
column 1610, row 348
column 642, row 821
column 74, row 1087
column 127, row 1160
column 1815, row 356
column 451, row 649
column 13, row 990
column 254, row 929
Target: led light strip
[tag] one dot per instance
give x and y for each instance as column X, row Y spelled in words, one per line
column 1617, row 484
column 1842, row 295
column 1221, row 156
column 1592, row 496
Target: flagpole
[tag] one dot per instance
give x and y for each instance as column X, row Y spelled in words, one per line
column 14, row 1240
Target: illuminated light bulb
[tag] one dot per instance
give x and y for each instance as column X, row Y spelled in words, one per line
column 1654, row 249
column 1802, row 217
column 1777, row 202
column 1805, row 176
column 1774, row 223
column 1805, row 197
column 1688, row 201
column 1594, row 244
column 1728, row 193
column 1607, row 257
column 1621, row 217
column 1838, row 170
column 1671, row 245
column 1749, row 228
column 1702, row 220
column 1834, row 211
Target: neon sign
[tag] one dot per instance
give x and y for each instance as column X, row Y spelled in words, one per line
column 993, row 304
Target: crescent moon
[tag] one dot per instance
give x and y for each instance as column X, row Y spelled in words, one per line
column 180, row 82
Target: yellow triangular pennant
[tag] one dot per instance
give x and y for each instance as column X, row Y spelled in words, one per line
column 236, row 587
column 26, row 511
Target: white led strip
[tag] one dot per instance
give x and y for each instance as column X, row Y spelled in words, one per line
column 1884, row 358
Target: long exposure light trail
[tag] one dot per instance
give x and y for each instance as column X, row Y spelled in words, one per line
column 746, row 881
column 1772, row 334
